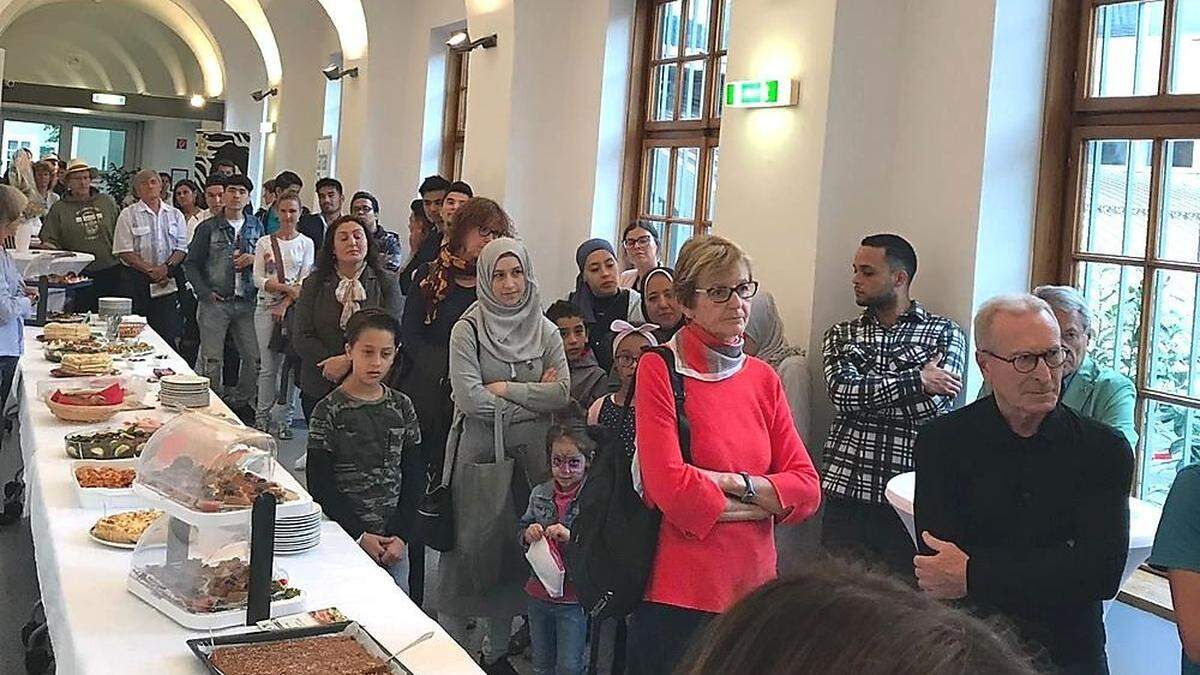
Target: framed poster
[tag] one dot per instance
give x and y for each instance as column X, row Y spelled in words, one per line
column 178, row 175
column 214, row 145
column 324, row 157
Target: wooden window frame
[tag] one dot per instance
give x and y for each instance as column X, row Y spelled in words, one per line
column 643, row 133
column 1071, row 118
column 454, row 127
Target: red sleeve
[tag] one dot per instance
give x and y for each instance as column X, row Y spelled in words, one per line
column 688, row 500
column 791, row 471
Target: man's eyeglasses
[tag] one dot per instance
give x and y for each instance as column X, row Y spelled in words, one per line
column 365, row 208
column 719, row 294
column 572, row 463
column 637, row 242
column 1027, row 363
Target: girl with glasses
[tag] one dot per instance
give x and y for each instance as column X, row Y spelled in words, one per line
column 615, row 411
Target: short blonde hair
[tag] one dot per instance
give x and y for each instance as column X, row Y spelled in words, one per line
column 1015, row 303
column 705, row 255
column 12, row 204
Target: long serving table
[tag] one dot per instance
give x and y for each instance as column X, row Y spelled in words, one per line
column 97, row 626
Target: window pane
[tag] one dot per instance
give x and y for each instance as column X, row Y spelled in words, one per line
column 719, row 99
column 1116, row 197
column 725, row 25
column 687, row 172
column 693, row 91
column 1185, row 76
column 1126, row 48
column 662, row 93
column 1171, row 442
column 696, row 35
column 712, row 183
column 658, row 173
column 102, row 148
column 679, row 236
column 1180, row 235
column 41, row 139
column 1114, row 294
column 1174, row 366
column 668, row 30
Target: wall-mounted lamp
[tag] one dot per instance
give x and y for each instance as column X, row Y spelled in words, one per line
column 771, row 93
column 197, row 101
column 334, row 72
column 462, row 42
column 259, row 94
column 266, row 127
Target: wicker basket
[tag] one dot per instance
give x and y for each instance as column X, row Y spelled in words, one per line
column 83, row 413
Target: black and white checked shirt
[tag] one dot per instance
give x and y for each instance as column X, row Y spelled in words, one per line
column 873, row 375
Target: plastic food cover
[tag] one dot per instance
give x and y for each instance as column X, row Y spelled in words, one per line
column 181, row 459
column 134, row 386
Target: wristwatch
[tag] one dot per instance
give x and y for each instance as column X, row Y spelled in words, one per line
column 750, row 494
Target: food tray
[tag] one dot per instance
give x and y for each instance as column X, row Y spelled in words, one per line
column 109, row 449
column 211, row 620
column 105, row 498
column 203, row 647
column 299, row 507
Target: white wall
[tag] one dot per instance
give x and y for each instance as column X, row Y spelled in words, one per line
column 158, row 144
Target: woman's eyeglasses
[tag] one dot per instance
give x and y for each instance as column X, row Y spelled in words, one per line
column 638, row 242
column 1027, row 363
column 719, row 294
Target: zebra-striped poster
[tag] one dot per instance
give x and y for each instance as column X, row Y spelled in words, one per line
column 214, row 145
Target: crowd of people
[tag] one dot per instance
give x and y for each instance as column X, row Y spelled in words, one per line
column 453, row 402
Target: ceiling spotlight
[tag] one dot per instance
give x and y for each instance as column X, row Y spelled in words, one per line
column 259, row 94
column 334, row 72
column 197, row 101
column 461, row 42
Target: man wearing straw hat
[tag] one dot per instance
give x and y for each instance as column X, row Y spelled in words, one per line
column 83, row 221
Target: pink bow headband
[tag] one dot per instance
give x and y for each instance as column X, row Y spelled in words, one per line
column 624, row 329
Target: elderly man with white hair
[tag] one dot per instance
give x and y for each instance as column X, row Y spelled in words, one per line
column 1022, row 502
column 151, row 241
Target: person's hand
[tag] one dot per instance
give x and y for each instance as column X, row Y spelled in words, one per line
column 558, row 532
column 936, row 380
column 497, row 388
column 32, row 294
column 293, row 292
column 242, row 260
column 217, row 297
column 374, row 545
column 550, row 375
column 335, row 368
column 393, row 551
column 729, row 483
column 157, row 274
column 279, row 309
column 943, row 574
column 533, row 533
column 738, row 511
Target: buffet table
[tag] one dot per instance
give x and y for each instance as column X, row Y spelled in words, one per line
column 97, row 626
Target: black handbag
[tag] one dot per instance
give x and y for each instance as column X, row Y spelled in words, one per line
column 281, row 331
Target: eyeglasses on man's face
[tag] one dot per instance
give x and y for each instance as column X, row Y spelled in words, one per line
column 1027, row 363
column 719, row 294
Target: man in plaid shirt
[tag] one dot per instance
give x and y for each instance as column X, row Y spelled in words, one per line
column 890, row 370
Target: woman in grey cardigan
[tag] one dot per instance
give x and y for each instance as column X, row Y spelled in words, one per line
column 508, row 373
column 347, row 277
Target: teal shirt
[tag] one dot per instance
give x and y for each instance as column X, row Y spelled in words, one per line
column 270, row 221
column 1102, row 394
column 1177, row 542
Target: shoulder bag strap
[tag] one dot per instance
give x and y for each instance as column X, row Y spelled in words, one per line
column 681, row 420
column 279, row 276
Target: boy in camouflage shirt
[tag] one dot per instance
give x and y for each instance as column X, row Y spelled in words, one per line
column 364, row 456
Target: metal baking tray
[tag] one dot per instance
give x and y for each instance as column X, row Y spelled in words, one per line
column 203, row 647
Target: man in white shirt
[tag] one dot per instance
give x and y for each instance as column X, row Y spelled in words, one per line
column 151, row 241
column 219, row 266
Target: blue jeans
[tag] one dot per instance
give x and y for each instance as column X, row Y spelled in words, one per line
column 558, row 632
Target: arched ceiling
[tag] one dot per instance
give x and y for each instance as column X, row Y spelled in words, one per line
column 110, row 46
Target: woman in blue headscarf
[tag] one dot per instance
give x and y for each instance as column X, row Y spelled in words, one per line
column 601, row 299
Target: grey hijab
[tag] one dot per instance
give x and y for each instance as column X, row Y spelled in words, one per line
column 511, row 334
column 765, row 328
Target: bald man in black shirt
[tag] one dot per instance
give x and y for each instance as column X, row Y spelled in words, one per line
column 1022, row 505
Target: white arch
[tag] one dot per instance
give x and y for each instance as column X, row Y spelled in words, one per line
column 123, row 57
column 350, row 22
column 170, row 61
column 251, row 13
column 100, row 43
column 168, row 13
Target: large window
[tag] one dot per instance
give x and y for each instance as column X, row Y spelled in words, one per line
column 680, row 64
column 454, row 123
column 1129, row 207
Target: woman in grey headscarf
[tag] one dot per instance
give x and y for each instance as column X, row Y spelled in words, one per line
column 508, row 373
column 765, row 339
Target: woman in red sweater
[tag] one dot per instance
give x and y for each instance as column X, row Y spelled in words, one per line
column 748, row 471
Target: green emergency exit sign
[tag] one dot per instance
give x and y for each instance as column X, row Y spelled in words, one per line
column 760, row 93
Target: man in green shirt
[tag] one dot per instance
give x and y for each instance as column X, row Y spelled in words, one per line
column 83, row 221
column 1177, row 550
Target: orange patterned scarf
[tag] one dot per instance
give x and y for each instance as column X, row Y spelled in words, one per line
column 438, row 283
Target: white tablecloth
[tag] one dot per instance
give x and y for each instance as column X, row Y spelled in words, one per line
column 35, row 263
column 97, row 626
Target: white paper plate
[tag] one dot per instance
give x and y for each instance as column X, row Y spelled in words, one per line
column 111, row 544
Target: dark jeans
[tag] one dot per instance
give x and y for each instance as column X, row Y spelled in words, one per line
column 105, row 283
column 307, row 403
column 660, row 636
column 870, row 532
column 558, row 632
column 162, row 313
column 189, row 337
column 8, row 369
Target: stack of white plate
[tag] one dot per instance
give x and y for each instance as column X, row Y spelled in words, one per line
column 109, row 306
column 184, row 391
column 297, row 534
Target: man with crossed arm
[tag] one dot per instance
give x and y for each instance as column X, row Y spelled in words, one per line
column 888, row 371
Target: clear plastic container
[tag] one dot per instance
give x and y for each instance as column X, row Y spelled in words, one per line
column 199, row 576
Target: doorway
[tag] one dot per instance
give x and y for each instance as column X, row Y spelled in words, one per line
column 103, row 143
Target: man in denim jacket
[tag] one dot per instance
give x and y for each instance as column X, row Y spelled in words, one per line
column 219, row 265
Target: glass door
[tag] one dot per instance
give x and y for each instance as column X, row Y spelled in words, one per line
column 39, row 138
column 100, row 147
